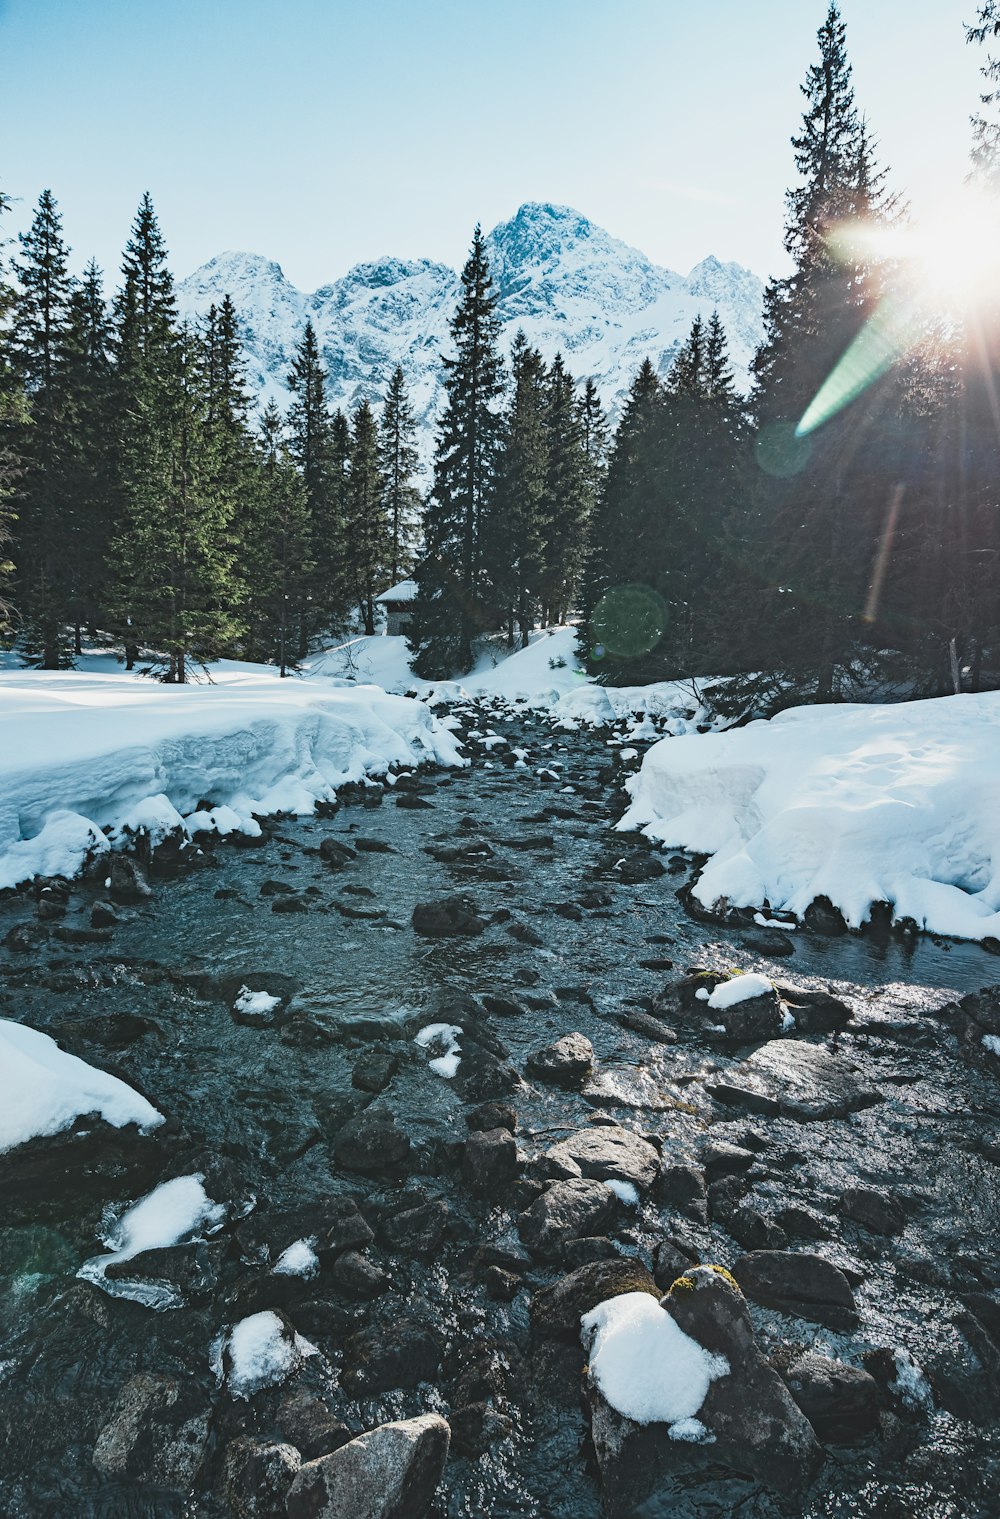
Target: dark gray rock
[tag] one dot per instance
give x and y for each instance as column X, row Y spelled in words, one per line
column 684, row 1188
column 128, row 884
column 374, row 1070
column 157, row 1433
column 610, row 1153
column 814, row 1011
column 333, row 1222
column 447, row 918
column 566, row 1210
column 806, row 1286
column 310, row 1426
column 877, row 1211
column 257, row 1475
column 391, row 1472
column 357, row 1277
column 795, row 1079
column 417, row 1229
column 371, row 1144
column 556, row 1311
column 383, row 1356
column 489, row 1161
column 567, row 1063
column 841, row 1402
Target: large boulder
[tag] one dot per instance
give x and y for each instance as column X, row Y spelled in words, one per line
column 448, row 918
column 556, row 1311
column 567, row 1062
column 796, row 1080
column 747, row 1424
column 841, row 1402
column 157, row 1433
column 391, row 1472
column 806, row 1286
column 567, row 1210
column 609, row 1153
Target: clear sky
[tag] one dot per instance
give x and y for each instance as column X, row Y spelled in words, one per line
column 324, row 132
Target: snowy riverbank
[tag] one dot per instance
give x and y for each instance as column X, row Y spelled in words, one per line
column 83, row 751
column 860, row 804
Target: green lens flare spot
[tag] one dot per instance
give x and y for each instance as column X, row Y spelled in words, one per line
column 781, row 451
column 629, row 620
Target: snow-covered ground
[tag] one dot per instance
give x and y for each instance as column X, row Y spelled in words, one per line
column 860, row 804
column 84, row 750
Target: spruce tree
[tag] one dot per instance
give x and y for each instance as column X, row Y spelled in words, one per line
column 451, row 604
column 368, row 538
column 313, row 444
column 12, row 416
column 43, row 536
column 276, row 553
column 514, row 530
column 567, row 500
column 398, row 463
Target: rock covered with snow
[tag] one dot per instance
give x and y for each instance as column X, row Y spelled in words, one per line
column 175, row 1211
column 261, row 1351
column 679, row 1389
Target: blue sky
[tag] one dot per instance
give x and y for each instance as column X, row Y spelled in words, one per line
column 321, row 132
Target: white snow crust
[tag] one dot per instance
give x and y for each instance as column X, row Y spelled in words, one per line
column 861, row 804
column 249, row 1002
column 443, row 1037
column 646, row 1366
column 86, row 750
column 261, row 1354
column 43, row 1089
column 300, row 1259
column 175, row 1211
column 740, row 989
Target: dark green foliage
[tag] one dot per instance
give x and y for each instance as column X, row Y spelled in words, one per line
column 276, row 566
column 569, row 492
column 319, row 446
column 12, row 415
column 515, row 530
column 451, row 605
column 368, row 535
column 398, row 463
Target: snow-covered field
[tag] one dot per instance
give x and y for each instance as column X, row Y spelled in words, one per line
column 860, row 804
column 83, row 750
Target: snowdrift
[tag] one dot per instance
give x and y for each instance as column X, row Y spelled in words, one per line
column 861, row 804
column 80, row 752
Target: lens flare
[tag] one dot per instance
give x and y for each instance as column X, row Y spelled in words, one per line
column 629, row 620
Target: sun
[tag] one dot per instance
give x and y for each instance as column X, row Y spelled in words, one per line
column 948, row 259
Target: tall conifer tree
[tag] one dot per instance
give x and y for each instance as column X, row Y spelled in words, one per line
column 398, row 462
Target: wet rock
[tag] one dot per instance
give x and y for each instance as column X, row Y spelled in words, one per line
column 503, row 1007
column 127, row 884
column 556, row 1311
column 190, row 1271
column 390, row 1473
column 358, row 1277
column 23, row 938
column 720, row 1158
column 756, row 1430
column 257, row 1475
column 106, row 915
column 310, row 1426
column 418, row 1229
column 639, row 867
column 477, row 1427
column 610, row 1153
column 447, row 918
column 502, row 1286
column 752, row 1229
column 806, row 1286
column 770, row 942
column 815, row 1011
column 823, row 918
column 795, row 1079
column 75, row 934
column 669, row 1262
column 374, row 1070
column 566, row 1063
column 333, row 1223
column 276, row 889
column 157, row 1433
column 492, row 1115
column 748, row 1021
column 489, row 1161
column 566, row 1210
column 645, row 1023
column 484, row 1074
column 50, row 1177
column 399, row 1354
column 372, row 1144
column 335, row 854
column 684, row 1188
column 290, row 904
column 841, row 1402
column 803, row 1223
column 525, row 934
column 877, row 1211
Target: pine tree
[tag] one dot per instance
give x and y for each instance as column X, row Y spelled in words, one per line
column 369, row 544
column 514, row 529
column 313, row 446
column 450, row 604
column 44, row 564
column 567, row 501
column 398, row 463
column 12, row 416
column 986, row 123
column 277, row 566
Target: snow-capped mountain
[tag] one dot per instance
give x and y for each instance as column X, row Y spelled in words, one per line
column 572, row 287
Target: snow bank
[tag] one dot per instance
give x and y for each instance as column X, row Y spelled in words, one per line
column 85, row 751
column 896, row 804
column 43, row 1090
column 646, row 1366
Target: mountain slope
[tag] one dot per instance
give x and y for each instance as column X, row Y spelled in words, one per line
column 570, row 285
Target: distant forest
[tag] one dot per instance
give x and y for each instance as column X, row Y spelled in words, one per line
column 832, row 534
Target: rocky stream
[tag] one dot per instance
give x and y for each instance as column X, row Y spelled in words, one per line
column 406, row 1044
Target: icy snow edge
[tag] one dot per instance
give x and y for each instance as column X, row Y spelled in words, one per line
column 82, row 752
column 860, row 804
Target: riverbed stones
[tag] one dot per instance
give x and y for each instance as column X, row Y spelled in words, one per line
column 391, row 1472
column 841, row 1402
column 371, row 1144
column 449, row 917
column 489, row 1161
column 383, row 1356
column 556, row 1311
column 814, row 1010
column 755, row 1429
column 257, row 1475
column 357, row 1277
column 333, row 1224
column 310, row 1426
column 683, row 1187
column 610, row 1153
column 335, row 854
column 374, row 1070
column 796, row 1080
column 566, row 1210
column 878, row 1211
column 803, row 1285
column 157, row 1432
column 568, row 1062
column 127, row 884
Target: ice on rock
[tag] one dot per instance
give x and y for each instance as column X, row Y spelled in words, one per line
column 739, row 989
column 991, row 1042
column 250, row 1003
column 261, row 1353
column 442, row 1037
column 646, row 1366
column 300, row 1259
column 173, row 1213
column 43, row 1089
column 625, row 1191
